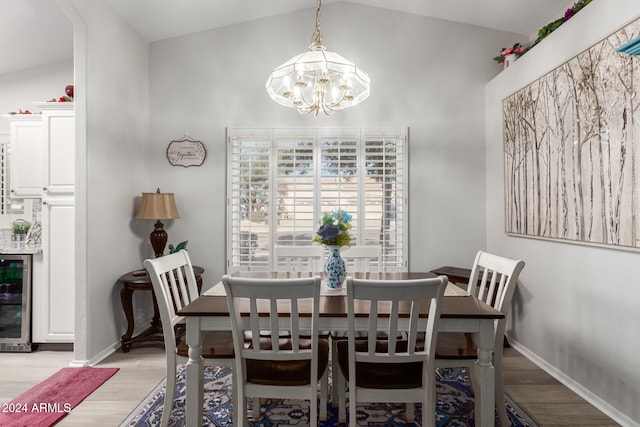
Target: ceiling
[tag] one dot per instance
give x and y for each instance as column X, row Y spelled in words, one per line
column 160, row 19
column 37, row 32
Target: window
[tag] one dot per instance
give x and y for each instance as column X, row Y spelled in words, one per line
column 281, row 181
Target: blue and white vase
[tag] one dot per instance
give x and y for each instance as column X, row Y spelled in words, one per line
column 334, row 268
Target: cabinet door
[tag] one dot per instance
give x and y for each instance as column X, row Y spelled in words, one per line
column 56, row 296
column 58, row 126
column 26, row 155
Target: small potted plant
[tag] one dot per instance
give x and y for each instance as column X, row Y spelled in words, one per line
column 20, row 229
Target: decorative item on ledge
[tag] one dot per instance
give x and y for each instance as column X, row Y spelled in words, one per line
column 545, row 31
column 508, row 55
column 334, row 233
column 67, row 97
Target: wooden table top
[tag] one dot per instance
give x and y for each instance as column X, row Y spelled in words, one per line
column 336, row 305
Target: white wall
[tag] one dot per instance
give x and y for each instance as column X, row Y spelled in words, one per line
column 427, row 74
column 116, row 93
column 575, row 312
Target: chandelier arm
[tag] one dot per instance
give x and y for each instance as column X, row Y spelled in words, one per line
column 304, row 100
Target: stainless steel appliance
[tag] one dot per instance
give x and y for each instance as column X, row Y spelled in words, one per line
column 15, row 303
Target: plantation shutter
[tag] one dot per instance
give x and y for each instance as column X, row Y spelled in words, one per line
column 281, row 181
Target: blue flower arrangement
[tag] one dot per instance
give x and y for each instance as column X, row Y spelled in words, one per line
column 334, row 229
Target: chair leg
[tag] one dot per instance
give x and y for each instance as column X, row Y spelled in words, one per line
column 410, row 411
column 352, row 406
column 169, row 395
column 313, row 411
column 255, row 413
column 476, row 386
column 335, row 373
column 429, row 402
column 342, row 398
column 500, row 404
column 235, row 400
column 324, row 392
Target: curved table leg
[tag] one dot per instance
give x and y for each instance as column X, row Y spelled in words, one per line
column 126, row 297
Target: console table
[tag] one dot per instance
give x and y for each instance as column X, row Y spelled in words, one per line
column 134, row 281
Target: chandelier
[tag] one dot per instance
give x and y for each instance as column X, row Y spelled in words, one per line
column 318, row 80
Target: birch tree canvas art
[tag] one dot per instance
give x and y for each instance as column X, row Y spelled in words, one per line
column 571, row 149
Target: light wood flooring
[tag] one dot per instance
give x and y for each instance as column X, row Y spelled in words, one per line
column 544, row 398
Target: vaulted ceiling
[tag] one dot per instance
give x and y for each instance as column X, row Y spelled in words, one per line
column 37, row 33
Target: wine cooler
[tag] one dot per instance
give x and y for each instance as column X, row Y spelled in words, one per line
column 15, row 303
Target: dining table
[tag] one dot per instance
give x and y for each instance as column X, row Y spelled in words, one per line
column 460, row 312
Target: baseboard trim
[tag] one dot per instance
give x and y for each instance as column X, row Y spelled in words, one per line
column 577, row 388
column 97, row 358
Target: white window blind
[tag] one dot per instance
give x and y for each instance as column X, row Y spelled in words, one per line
column 281, row 181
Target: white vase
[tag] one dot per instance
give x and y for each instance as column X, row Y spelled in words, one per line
column 334, row 268
column 510, row 59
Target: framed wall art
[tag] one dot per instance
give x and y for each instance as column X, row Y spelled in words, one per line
column 571, row 149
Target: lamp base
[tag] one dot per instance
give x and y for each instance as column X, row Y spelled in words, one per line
column 158, row 239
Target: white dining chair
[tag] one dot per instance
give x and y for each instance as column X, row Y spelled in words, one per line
column 298, row 260
column 303, row 261
column 174, row 285
column 392, row 370
column 289, row 367
column 358, row 259
column 493, row 280
column 363, row 259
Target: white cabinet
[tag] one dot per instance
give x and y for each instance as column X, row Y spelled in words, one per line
column 54, row 297
column 26, row 154
column 58, row 128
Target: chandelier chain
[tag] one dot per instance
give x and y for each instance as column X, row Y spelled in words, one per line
column 316, row 39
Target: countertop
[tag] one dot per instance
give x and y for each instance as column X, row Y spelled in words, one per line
column 19, row 248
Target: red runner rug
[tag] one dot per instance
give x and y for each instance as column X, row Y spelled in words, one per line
column 46, row 403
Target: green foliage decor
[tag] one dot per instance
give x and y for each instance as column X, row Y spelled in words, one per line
column 544, row 31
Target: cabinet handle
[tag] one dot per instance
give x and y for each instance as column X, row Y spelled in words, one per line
column 44, row 202
column 44, row 188
column 12, row 191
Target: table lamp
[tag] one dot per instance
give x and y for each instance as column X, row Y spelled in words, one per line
column 158, row 206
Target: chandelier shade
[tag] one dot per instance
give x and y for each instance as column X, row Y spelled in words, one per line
column 318, row 80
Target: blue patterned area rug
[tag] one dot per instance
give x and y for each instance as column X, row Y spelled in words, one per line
column 454, row 408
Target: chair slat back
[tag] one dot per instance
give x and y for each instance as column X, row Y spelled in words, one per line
column 270, row 298
column 301, row 260
column 174, row 285
column 493, row 279
column 387, row 299
column 363, row 259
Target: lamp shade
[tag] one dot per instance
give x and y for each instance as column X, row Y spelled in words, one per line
column 157, row 206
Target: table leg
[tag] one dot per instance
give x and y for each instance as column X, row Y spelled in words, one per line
column 155, row 322
column 485, row 371
column 195, row 373
column 126, row 296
